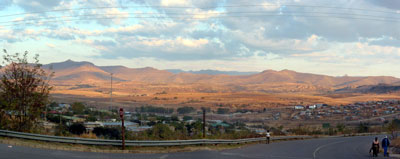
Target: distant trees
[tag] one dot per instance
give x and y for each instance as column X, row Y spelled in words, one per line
column 223, row 110
column 78, row 107
column 186, row 118
column 185, row 110
column 152, row 109
column 24, row 91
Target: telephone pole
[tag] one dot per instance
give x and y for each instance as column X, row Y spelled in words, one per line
column 111, row 100
column 121, row 114
column 204, row 122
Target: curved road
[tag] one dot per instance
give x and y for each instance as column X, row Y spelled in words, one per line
column 323, row 148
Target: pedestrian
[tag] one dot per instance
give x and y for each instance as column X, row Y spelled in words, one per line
column 268, row 135
column 375, row 147
column 385, row 145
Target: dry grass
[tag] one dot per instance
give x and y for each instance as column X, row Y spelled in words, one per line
column 395, row 142
column 199, row 95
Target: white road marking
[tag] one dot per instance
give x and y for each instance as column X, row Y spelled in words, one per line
column 10, row 146
column 241, row 155
column 322, row 146
column 289, row 157
column 164, row 156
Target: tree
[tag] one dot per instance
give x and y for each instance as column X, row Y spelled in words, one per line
column 341, row 127
column 393, row 126
column 24, row 91
column 78, row 107
column 186, row 118
column 110, row 133
column 160, row 131
column 77, row 128
column 185, row 110
column 363, row 128
column 223, row 110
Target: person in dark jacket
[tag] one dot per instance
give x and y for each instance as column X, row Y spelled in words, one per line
column 385, row 145
column 375, row 147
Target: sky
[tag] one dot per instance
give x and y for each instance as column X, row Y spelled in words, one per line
column 342, row 37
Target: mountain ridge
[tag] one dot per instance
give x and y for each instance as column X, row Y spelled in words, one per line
column 81, row 72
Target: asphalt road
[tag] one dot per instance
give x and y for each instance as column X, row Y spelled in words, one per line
column 323, row 148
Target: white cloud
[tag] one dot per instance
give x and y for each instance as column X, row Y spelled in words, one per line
column 207, row 34
column 174, row 3
column 50, row 45
column 270, row 6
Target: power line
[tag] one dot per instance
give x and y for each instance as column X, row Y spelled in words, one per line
column 183, row 18
column 198, row 14
column 187, row 7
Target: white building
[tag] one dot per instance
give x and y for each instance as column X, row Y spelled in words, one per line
column 312, row 106
column 299, row 107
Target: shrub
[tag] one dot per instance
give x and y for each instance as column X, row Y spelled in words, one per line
column 77, row 128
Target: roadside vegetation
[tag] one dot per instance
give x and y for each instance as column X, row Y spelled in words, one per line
column 24, row 92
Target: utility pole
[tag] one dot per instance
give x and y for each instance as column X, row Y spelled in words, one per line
column 111, row 100
column 121, row 114
column 59, row 115
column 204, row 122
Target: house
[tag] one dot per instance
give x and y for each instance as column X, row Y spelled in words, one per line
column 64, row 105
column 118, row 123
column 138, row 128
column 73, row 119
column 91, row 125
column 299, row 107
column 312, row 106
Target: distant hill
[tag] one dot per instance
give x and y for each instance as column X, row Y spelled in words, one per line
column 79, row 72
column 266, row 81
column 212, row 72
column 379, row 89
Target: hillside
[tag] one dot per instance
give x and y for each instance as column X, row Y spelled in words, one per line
column 267, row 81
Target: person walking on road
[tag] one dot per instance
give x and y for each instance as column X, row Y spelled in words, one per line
column 268, row 135
column 385, row 145
column 375, row 147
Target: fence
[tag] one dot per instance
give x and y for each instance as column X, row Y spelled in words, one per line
column 75, row 140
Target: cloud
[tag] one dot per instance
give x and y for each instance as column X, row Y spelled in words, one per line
column 174, row 3
column 339, row 24
column 171, row 48
column 106, row 17
column 8, row 36
column 5, row 3
column 37, row 5
column 50, row 45
column 209, row 30
column 271, row 6
column 384, row 41
column 395, row 5
column 361, row 53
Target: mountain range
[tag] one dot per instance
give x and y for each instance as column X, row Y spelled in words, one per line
column 73, row 72
column 211, row 72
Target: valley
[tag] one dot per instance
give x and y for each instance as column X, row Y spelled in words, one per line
column 133, row 87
